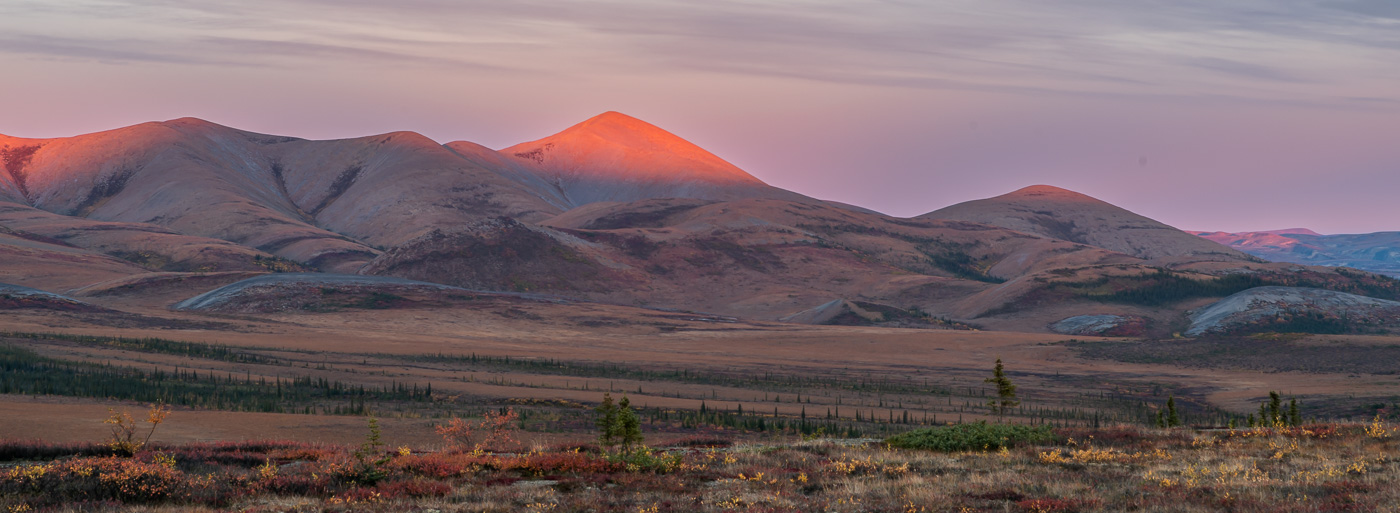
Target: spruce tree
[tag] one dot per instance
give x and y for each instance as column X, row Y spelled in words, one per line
column 1275, row 408
column 628, row 427
column 1006, row 391
column 1173, row 419
column 1161, row 420
column 607, row 422
column 1295, row 418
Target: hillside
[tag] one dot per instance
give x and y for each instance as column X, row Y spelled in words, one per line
column 1067, row 215
column 1295, row 309
column 326, row 204
column 756, row 258
column 612, row 210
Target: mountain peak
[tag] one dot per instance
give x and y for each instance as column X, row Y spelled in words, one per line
column 1049, row 192
column 616, row 145
column 628, row 140
column 617, row 119
column 616, row 157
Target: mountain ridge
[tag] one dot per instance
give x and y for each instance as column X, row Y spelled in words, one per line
column 613, row 210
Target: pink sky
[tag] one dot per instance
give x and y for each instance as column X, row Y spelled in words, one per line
column 1256, row 115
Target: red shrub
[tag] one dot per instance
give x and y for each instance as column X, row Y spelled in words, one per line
column 414, row 488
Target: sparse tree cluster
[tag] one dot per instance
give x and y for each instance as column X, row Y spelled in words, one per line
column 618, row 424
column 1272, row 413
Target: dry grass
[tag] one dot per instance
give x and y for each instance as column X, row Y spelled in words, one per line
column 1327, row 467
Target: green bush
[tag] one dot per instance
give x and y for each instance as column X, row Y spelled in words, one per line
column 643, row 459
column 971, row 437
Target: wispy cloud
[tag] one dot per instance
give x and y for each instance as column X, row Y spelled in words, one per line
column 1074, row 46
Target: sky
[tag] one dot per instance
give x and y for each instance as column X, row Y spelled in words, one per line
column 1207, row 115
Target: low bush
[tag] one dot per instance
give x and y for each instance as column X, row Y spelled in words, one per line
column 980, row 436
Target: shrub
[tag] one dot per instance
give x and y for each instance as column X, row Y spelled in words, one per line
column 124, row 428
column 642, row 459
column 971, row 437
column 495, row 428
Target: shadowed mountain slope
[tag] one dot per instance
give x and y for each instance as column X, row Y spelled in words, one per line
column 1067, row 215
column 323, row 203
column 757, row 258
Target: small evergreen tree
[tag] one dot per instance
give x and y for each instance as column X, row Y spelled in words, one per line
column 1264, row 415
column 1295, row 418
column 369, row 470
column 1275, row 408
column 607, row 422
column 628, row 427
column 1173, row 419
column 1161, row 420
column 1006, row 391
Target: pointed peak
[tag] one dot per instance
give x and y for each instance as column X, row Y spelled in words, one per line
column 190, row 121
column 623, row 129
column 613, row 117
column 1044, row 190
column 1049, row 193
column 619, row 146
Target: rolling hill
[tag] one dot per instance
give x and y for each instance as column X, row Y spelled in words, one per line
column 1068, row 215
column 611, row 210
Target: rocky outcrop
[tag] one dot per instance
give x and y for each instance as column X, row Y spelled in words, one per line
column 1103, row 325
column 1294, row 309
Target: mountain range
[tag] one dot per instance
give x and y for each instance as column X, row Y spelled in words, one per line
column 611, row 210
column 1375, row 252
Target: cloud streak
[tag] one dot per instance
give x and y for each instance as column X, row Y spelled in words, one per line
column 1076, row 46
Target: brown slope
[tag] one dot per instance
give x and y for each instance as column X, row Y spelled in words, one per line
column 615, row 157
column 390, row 188
column 1067, row 215
column 54, row 267
column 190, row 176
column 324, row 203
column 753, row 258
column 152, row 246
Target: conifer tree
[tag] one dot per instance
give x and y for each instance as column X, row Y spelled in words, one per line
column 1173, row 419
column 1275, row 408
column 607, row 422
column 1295, row 418
column 1006, row 391
column 628, row 427
column 1161, row 420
